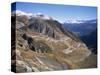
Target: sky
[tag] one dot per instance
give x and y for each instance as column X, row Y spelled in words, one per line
column 59, row 12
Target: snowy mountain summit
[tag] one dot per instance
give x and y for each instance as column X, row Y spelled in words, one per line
column 72, row 21
column 32, row 15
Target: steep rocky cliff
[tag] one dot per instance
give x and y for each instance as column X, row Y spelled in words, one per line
column 43, row 45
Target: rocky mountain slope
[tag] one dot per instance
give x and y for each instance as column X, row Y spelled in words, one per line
column 43, row 45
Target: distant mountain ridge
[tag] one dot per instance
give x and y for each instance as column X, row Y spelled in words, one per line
column 82, row 28
column 73, row 21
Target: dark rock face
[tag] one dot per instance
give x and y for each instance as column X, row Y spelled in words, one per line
column 91, row 41
column 29, row 41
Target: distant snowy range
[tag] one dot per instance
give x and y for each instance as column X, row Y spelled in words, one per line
column 81, row 27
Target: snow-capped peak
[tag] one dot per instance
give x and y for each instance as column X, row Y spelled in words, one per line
column 42, row 16
column 74, row 21
column 19, row 13
column 32, row 15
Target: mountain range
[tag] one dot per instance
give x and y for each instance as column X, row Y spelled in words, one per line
column 82, row 27
column 42, row 44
